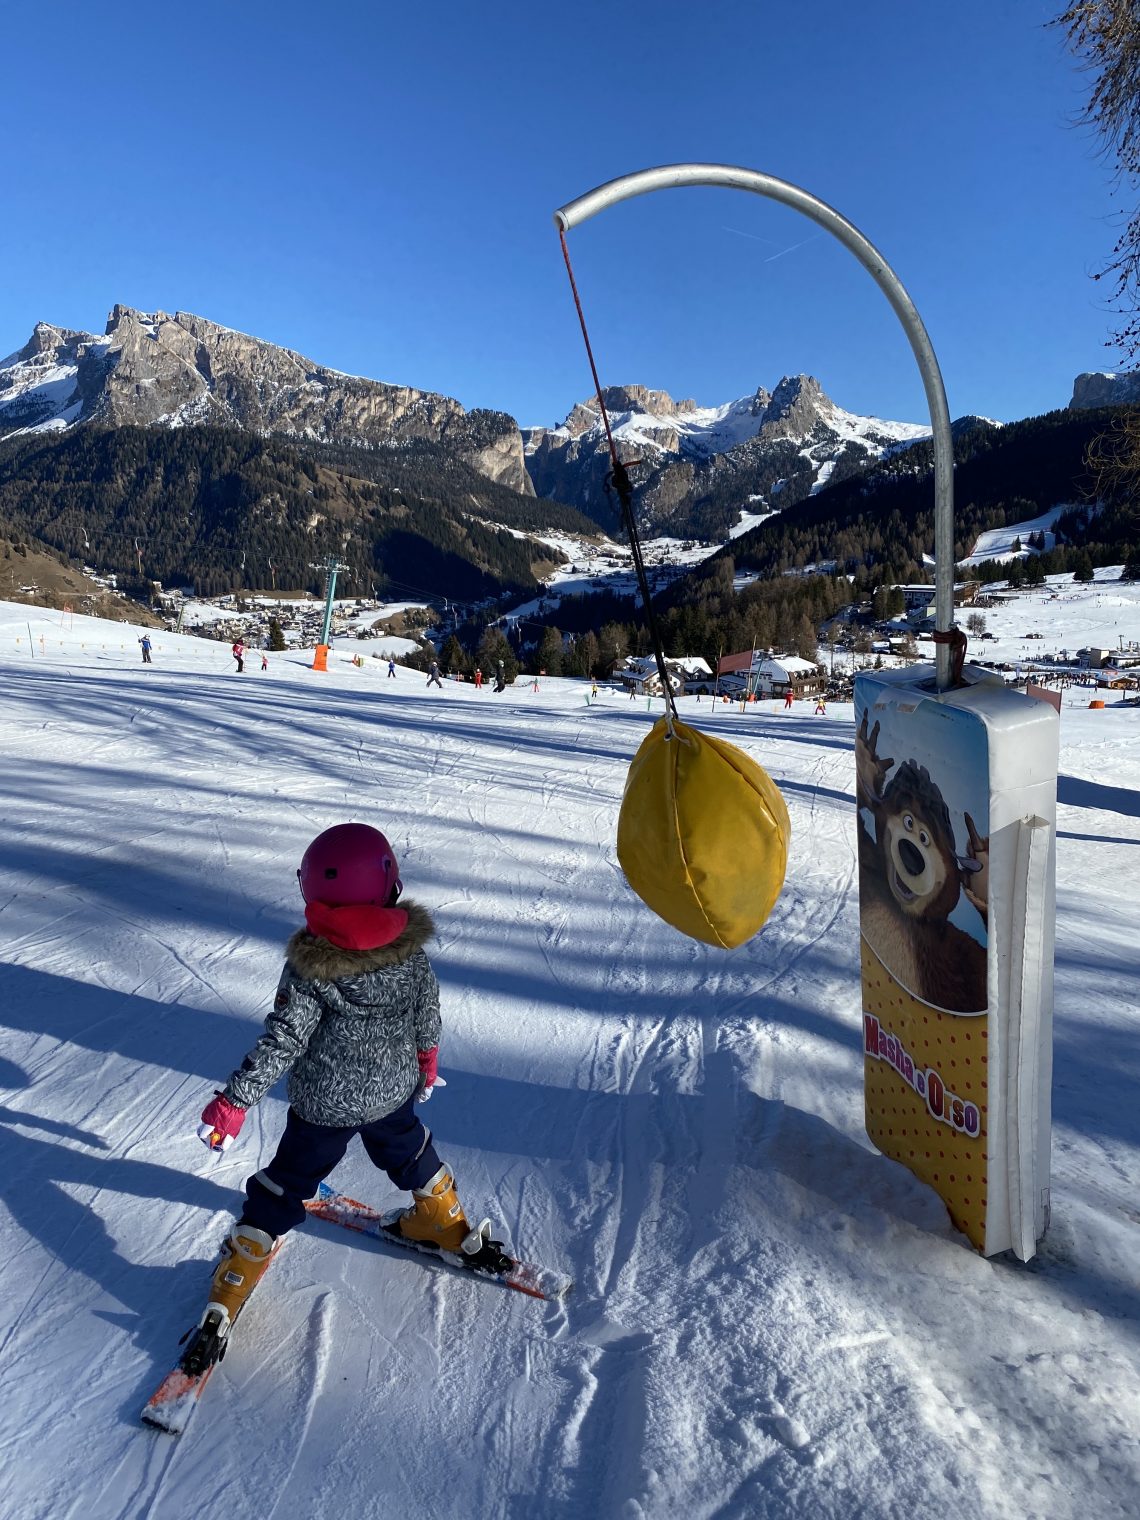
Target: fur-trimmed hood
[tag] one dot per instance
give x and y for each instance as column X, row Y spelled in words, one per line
column 315, row 959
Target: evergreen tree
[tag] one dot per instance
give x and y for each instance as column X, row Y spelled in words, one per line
column 421, row 657
column 586, row 654
column 549, row 655
column 807, row 640
column 453, row 658
column 493, row 647
column 276, row 637
column 613, row 646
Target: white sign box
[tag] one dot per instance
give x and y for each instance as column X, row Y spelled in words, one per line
column 956, row 793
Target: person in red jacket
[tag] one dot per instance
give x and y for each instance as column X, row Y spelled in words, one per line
column 238, row 651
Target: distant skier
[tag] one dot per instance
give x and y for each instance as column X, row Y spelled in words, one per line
column 433, row 675
column 356, row 1024
column 144, row 644
column 237, row 649
column 821, row 709
column 500, row 677
column 391, row 668
column 789, row 698
column 265, row 662
column 478, row 678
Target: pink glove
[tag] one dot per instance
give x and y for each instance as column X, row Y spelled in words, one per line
column 221, row 1123
column 428, row 1061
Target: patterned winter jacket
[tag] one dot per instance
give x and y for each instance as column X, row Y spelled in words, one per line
column 346, row 1025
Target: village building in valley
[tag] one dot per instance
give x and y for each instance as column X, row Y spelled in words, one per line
column 770, row 675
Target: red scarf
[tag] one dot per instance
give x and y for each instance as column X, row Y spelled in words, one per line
column 358, row 926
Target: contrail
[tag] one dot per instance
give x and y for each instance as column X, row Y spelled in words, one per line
column 771, row 242
column 792, row 249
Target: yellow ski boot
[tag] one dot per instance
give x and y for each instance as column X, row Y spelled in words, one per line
column 246, row 1254
column 436, row 1217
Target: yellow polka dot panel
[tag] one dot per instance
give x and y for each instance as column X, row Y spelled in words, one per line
column 925, row 1083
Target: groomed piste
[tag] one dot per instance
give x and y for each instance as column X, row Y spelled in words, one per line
column 768, row 1318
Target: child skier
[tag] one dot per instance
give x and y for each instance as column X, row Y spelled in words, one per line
column 356, row 1024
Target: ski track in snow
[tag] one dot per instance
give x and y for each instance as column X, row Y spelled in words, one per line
column 768, row 1318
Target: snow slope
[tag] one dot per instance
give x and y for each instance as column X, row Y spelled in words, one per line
column 997, row 543
column 769, row 1319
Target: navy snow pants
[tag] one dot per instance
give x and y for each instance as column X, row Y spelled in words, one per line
column 399, row 1144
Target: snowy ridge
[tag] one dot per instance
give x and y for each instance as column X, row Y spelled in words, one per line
column 684, row 449
column 156, row 369
column 38, row 387
column 702, row 431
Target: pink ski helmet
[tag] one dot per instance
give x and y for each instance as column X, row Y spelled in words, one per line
column 350, row 864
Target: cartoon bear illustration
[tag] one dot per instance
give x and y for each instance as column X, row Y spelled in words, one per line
column 911, row 878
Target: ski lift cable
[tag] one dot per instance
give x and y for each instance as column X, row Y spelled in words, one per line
column 394, row 584
column 618, row 481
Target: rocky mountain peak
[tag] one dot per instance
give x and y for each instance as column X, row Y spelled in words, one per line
column 1099, row 388
column 154, row 369
column 47, row 339
column 626, row 399
column 795, row 406
column 782, row 444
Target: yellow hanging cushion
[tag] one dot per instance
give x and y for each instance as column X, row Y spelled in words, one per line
column 703, row 835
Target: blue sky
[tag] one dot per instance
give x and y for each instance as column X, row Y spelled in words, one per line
column 374, row 188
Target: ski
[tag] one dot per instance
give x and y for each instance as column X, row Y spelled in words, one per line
column 175, row 1399
column 490, row 1262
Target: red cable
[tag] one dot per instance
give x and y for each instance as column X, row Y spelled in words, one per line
column 589, row 351
column 624, row 490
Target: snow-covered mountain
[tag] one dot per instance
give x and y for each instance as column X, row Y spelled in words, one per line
column 152, row 368
column 761, row 452
column 1097, row 388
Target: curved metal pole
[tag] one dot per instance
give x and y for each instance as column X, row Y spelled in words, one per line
column 671, row 176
